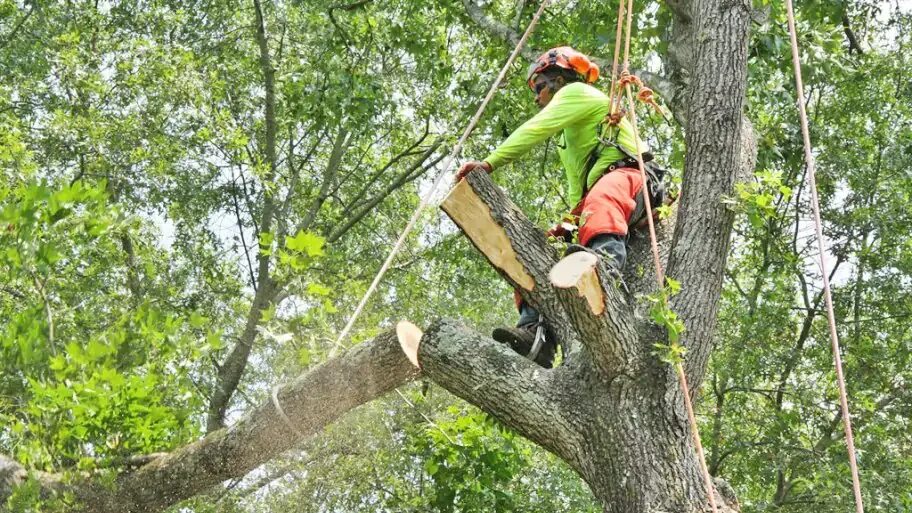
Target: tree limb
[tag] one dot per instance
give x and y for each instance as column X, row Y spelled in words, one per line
column 403, row 178
column 329, row 175
column 396, row 158
column 310, row 402
column 491, row 376
column 850, row 35
column 229, row 375
column 713, row 164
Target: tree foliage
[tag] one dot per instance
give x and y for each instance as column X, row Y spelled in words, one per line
column 173, row 221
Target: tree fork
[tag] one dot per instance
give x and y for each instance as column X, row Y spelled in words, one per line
column 612, row 410
column 481, row 209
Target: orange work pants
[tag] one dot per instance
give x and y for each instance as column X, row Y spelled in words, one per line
column 609, row 204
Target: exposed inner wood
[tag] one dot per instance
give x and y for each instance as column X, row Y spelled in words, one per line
column 578, row 270
column 473, row 217
column 409, row 338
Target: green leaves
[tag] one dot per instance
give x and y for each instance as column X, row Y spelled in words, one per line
column 306, row 243
column 759, row 199
column 664, row 316
column 301, row 250
column 470, row 460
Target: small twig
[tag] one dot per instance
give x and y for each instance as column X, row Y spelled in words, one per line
column 426, row 418
column 47, row 310
column 240, row 224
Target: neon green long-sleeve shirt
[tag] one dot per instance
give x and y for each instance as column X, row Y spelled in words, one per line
column 578, row 110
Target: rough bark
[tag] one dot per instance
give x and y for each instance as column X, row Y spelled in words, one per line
column 711, row 167
column 312, row 401
column 612, row 410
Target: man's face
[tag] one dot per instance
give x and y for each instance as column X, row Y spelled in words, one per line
column 545, row 87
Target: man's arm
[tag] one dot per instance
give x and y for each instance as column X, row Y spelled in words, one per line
column 572, row 103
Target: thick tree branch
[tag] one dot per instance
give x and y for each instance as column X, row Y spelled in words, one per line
column 489, row 375
column 310, row 402
column 715, row 159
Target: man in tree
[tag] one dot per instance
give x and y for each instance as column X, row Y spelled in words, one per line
column 600, row 168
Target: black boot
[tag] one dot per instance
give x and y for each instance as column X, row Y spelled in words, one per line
column 522, row 339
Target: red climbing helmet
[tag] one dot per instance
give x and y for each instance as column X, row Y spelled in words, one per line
column 567, row 58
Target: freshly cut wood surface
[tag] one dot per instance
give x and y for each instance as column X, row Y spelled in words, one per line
column 471, row 214
column 578, row 270
column 409, row 338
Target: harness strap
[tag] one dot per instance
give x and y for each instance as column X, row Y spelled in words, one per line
column 539, row 338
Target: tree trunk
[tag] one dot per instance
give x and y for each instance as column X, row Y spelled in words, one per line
column 612, row 409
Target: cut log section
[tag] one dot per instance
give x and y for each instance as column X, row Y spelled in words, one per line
column 579, row 271
column 473, row 217
column 409, row 338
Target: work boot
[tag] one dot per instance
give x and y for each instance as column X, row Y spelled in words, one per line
column 522, row 338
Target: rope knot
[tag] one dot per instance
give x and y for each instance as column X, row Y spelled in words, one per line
column 615, row 117
column 647, row 96
column 629, row 78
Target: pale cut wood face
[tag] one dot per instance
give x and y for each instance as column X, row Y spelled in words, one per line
column 578, row 270
column 409, row 338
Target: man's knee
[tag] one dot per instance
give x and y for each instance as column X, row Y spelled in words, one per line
column 612, row 246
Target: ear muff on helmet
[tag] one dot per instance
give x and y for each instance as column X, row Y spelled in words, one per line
column 566, row 58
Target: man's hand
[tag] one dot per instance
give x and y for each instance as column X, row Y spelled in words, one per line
column 563, row 231
column 471, row 165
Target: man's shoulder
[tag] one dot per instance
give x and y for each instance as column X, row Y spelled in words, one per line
column 583, row 91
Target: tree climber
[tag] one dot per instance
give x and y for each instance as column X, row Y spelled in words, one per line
column 600, row 166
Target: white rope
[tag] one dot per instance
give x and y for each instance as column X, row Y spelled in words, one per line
column 281, row 412
column 443, row 173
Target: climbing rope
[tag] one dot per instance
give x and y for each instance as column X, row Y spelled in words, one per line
column 426, row 199
column 614, row 64
column 815, row 206
column 625, row 82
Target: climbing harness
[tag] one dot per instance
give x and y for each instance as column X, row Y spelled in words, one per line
column 831, row 318
column 624, row 82
column 426, row 199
